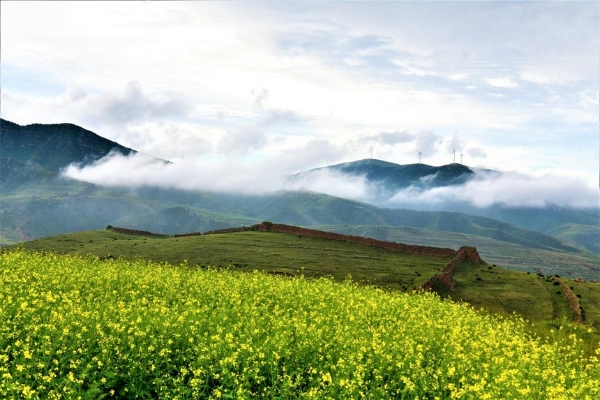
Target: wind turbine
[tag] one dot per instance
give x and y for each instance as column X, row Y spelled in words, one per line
column 419, row 152
column 454, row 153
column 461, row 157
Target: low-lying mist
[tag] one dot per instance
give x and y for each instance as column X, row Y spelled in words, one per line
column 507, row 189
column 486, row 189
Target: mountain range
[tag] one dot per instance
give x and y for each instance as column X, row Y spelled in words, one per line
column 38, row 201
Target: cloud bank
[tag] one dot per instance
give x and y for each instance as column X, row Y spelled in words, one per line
column 505, row 189
column 225, row 176
column 270, row 175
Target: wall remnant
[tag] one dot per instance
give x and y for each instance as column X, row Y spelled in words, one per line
column 576, row 309
column 444, row 277
column 135, row 232
column 313, row 233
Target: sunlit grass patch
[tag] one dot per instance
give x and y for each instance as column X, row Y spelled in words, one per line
column 72, row 326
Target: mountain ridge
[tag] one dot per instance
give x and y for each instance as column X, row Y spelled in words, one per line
column 55, row 146
column 399, row 176
column 37, row 202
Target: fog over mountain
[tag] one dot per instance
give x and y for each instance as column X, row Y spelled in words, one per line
column 482, row 189
column 509, row 189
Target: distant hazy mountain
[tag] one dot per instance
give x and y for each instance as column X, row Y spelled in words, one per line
column 54, row 146
column 579, row 227
column 392, row 177
column 37, row 201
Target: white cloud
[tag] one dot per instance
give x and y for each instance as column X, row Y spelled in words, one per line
column 499, row 72
column 427, row 141
column 392, row 138
column 169, row 140
column 502, row 82
column 242, row 140
column 332, row 183
column 225, row 174
column 140, row 170
column 508, row 190
column 476, row 152
column 133, row 105
column 273, row 174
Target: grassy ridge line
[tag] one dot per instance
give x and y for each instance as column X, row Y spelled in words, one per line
column 295, row 230
column 444, row 276
column 138, row 232
column 405, row 248
column 252, row 250
column 76, row 326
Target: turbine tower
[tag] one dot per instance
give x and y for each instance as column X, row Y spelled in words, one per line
column 461, row 157
column 454, row 154
column 419, row 152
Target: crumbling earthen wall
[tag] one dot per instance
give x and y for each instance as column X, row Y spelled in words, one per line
column 134, row 232
column 405, row 248
column 572, row 300
column 178, row 235
column 230, row 230
column 445, row 275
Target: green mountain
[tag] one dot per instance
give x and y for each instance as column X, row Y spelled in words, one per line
column 392, row 177
column 38, row 202
column 586, row 235
column 386, row 179
column 314, row 209
column 54, row 146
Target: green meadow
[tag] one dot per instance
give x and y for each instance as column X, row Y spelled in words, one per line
column 275, row 253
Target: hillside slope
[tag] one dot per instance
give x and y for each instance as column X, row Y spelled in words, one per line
column 504, row 254
column 313, row 209
column 482, row 285
column 54, row 146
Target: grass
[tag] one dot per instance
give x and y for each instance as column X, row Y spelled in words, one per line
column 247, row 251
column 587, row 236
column 589, row 298
column 73, row 326
column 502, row 291
column 507, row 255
column 495, row 289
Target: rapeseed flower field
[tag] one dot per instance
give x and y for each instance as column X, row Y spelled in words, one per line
column 73, row 327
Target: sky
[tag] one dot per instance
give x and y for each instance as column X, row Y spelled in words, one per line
column 289, row 86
